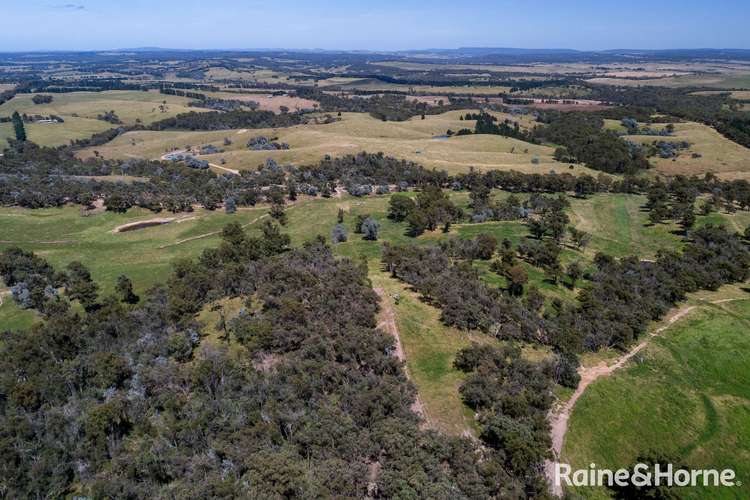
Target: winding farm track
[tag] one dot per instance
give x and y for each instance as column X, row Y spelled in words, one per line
column 559, row 418
column 387, row 322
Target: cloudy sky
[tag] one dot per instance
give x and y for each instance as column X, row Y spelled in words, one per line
column 379, row 24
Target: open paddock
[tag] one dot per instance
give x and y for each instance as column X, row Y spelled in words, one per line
column 422, row 141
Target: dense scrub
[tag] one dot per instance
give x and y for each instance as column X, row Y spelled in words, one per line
column 216, row 120
column 128, row 400
column 614, row 308
column 583, row 139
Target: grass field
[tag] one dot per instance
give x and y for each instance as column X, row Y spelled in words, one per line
column 80, row 111
column 267, row 102
column 736, row 94
column 686, row 396
column 729, row 80
column 719, row 155
column 418, row 140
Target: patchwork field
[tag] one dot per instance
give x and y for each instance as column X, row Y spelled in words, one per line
column 80, row 111
column 686, row 396
column 418, row 140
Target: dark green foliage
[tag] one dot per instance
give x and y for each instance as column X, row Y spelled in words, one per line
column 124, row 289
column 215, row 120
column 18, row 127
column 79, row 286
column 400, row 206
column 465, row 301
column 512, row 397
column 41, row 99
column 586, row 141
column 119, row 401
column 370, row 229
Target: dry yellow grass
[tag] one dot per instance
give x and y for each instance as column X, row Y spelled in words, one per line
column 80, row 111
column 719, row 155
column 415, row 139
column 267, row 102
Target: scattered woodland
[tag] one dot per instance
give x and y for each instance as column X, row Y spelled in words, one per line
column 117, row 385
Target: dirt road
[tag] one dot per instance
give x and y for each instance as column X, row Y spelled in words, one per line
column 559, row 419
column 387, row 322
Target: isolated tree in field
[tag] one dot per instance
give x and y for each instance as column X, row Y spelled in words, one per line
column 687, row 219
column 580, row 239
column 278, row 213
column 486, row 246
column 552, row 271
column 537, row 228
column 340, row 217
column 124, row 289
column 574, row 273
column 230, row 206
column 338, row 234
column 517, row 278
column 399, row 207
column 18, row 127
column 370, row 229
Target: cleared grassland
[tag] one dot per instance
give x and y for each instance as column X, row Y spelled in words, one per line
column 686, row 395
column 422, row 141
column 735, row 94
column 377, row 85
column 719, row 155
column 80, row 111
column 729, row 80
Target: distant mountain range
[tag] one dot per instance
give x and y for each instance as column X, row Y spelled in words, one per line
column 475, row 55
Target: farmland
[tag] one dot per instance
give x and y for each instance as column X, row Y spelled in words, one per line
column 81, row 109
column 685, row 397
column 458, row 265
column 418, row 140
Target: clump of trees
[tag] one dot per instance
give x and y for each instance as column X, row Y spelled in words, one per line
column 109, row 116
column 585, row 140
column 430, row 209
column 216, row 120
column 41, row 99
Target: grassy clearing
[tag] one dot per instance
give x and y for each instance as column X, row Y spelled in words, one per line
column 80, row 111
column 719, row 155
column 267, row 102
column 687, row 395
column 729, row 80
column 430, row 348
column 417, row 140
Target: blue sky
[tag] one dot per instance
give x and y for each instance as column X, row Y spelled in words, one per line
column 375, row 24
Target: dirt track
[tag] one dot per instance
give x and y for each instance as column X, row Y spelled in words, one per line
column 387, row 322
column 559, row 419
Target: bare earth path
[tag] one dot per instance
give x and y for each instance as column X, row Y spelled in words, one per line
column 559, row 419
column 387, row 322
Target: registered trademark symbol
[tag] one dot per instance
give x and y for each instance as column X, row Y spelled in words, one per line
column 738, row 483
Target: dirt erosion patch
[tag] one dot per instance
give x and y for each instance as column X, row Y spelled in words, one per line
column 134, row 226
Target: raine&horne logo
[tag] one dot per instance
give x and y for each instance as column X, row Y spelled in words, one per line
column 644, row 475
